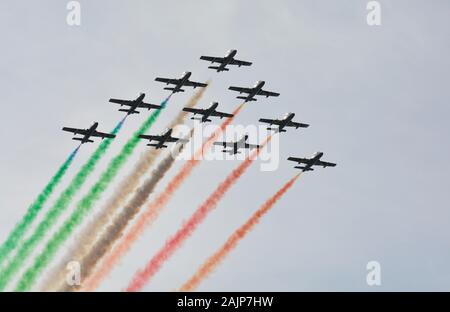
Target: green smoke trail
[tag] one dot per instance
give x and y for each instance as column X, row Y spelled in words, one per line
column 22, row 226
column 57, row 209
column 83, row 207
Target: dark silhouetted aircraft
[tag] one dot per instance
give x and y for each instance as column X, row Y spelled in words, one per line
column 310, row 162
column 285, row 122
column 235, row 146
column 207, row 112
column 87, row 133
column 134, row 104
column 166, row 137
column 224, row 61
column 180, row 82
column 252, row 92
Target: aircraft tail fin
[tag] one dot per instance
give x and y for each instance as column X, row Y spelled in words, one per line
column 217, row 67
column 245, row 98
column 81, row 139
column 304, row 168
column 156, row 145
column 173, row 89
column 276, row 129
column 128, row 111
column 200, row 119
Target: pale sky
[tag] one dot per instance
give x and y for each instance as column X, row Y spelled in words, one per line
column 376, row 97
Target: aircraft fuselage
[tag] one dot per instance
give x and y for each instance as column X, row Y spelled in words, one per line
column 227, row 60
column 313, row 161
column 256, row 89
column 210, row 110
column 133, row 108
column 91, row 130
column 184, row 78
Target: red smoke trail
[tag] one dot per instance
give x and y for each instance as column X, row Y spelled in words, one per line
column 143, row 276
column 151, row 212
column 212, row 262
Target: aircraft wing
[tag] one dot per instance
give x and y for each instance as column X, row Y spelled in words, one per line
column 180, row 140
column 151, row 137
column 148, row 105
column 268, row 93
column 297, row 124
column 121, row 102
column 324, row 164
column 299, row 160
column 271, row 121
column 167, row 80
column 75, row 130
column 240, row 63
column 247, row 145
column 212, row 59
column 194, row 84
column 172, row 139
column 241, row 90
column 224, row 144
column 221, row 114
column 194, row 110
column 103, row 135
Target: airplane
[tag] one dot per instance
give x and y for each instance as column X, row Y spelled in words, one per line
column 87, row 133
column 310, row 162
column 207, row 112
column 134, row 104
column 166, row 137
column 254, row 91
column 285, row 122
column 180, row 82
column 224, row 61
column 236, row 145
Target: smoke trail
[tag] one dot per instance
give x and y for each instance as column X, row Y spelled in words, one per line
column 152, row 211
column 128, row 185
column 22, row 226
column 143, row 276
column 116, row 228
column 212, row 262
column 84, row 205
column 56, row 210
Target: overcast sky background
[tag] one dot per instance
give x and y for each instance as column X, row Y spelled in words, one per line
column 377, row 99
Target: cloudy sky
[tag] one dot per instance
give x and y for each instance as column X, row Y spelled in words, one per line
column 377, row 99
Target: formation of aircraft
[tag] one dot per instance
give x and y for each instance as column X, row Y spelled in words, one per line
column 134, row 104
column 224, row 61
column 207, row 112
column 257, row 89
column 161, row 139
column 283, row 123
column 88, row 133
column 305, row 164
column 236, row 145
column 308, row 163
column 178, row 83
